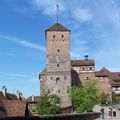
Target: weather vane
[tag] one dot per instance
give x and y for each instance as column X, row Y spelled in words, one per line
column 57, row 9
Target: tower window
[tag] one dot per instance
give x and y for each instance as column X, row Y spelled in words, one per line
column 65, row 77
column 62, row 36
column 51, row 77
column 57, row 80
column 48, row 91
column 91, row 68
column 57, row 65
column 53, row 36
column 58, row 50
column 58, row 91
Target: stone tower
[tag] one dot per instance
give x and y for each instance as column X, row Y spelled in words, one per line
column 58, row 67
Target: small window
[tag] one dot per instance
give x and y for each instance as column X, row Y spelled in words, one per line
column 48, row 91
column 57, row 65
column 91, row 68
column 53, row 36
column 87, row 78
column 65, row 77
column 58, row 50
column 68, row 89
column 57, row 80
column 62, row 36
column 83, row 68
column 51, row 77
column 58, row 91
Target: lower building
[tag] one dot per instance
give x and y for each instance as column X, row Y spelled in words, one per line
column 12, row 105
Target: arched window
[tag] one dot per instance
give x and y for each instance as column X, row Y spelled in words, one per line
column 58, row 80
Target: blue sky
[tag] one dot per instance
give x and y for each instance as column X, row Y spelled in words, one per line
column 95, row 28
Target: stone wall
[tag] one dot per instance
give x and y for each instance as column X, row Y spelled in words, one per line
column 82, row 116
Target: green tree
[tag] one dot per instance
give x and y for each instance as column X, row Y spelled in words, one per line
column 84, row 98
column 104, row 99
column 49, row 104
column 115, row 98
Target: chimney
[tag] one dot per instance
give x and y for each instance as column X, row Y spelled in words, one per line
column 18, row 94
column 33, row 97
column 4, row 90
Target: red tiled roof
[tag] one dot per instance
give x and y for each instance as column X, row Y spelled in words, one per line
column 82, row 62
column 9, row 96
column 15, row 107
column 10, row 105
column 57, row 27
column 115, row 78
column 2, row 110
column 102, row 73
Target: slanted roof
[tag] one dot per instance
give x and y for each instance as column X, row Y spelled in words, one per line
column 2, row 109
column 115, row 78
column 57, row 27
column 9, row 96
column 15, row 107
column 102, row 73
column 88, row 62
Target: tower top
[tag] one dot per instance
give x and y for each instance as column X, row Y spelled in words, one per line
column 57, row 27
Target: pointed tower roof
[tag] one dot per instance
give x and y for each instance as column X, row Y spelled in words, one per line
column 57, row 27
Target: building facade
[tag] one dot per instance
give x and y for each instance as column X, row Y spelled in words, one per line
column 61, row 72
column 56, row 78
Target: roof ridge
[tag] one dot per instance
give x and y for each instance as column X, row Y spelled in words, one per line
column 57, row 27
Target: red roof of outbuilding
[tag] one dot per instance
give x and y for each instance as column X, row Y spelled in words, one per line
column 82, row 62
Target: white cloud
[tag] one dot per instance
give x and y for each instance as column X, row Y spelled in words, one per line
column 48, row 7
column 82, row 15
column 24, row 43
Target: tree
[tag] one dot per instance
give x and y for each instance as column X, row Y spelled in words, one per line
column 104, row 99
column 49, row 104
column 84, row 98
column 115, row 98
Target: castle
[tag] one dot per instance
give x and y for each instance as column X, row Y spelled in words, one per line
column 61, row 72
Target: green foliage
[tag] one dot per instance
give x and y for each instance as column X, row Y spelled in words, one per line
column 104, row 99
column 115, row 98
column 84, row 98
column 49, row 104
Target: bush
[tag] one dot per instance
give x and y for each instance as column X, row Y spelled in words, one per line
column 49, row 104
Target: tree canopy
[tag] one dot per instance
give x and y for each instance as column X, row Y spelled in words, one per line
column 49, row 104
column 84, row 98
